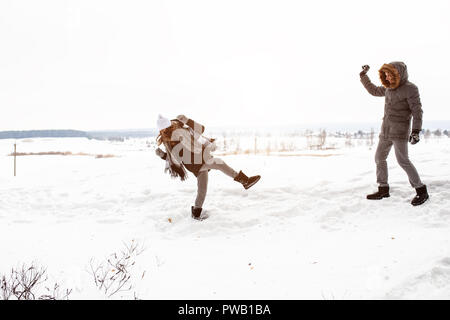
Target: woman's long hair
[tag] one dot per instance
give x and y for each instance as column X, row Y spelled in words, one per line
column 175, row 166
column 165, row 135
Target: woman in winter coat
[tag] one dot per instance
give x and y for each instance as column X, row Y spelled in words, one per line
column 186, row 148
column 402, row 102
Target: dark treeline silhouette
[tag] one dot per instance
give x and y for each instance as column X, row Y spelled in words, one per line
column 100, row 135
column 42, row 134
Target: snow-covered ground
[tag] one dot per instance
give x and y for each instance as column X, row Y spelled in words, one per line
column 305, row 231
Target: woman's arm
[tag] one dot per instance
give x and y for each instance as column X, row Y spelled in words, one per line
column 161, row 153
column 197, row 127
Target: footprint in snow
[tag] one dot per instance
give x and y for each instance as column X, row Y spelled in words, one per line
column 22, row 221
column 109, row 221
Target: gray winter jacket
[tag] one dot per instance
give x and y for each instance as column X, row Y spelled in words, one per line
column 402, row 101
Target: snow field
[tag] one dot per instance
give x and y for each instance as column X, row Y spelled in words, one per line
column 305, row 231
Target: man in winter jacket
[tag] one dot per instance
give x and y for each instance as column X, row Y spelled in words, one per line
column 402, row 102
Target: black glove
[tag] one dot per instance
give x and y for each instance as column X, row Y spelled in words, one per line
column 414, row 137
column 364, row 71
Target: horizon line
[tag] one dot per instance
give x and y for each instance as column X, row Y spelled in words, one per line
column 256, row 126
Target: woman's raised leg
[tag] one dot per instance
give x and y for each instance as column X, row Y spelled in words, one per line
column 219, row 164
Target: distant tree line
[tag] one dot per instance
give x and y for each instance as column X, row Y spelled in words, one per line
column 42, row 134
column 437, row 133
column 99, row 135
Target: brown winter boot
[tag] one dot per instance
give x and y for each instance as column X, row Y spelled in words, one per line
column 196, row 213
column 246, row 181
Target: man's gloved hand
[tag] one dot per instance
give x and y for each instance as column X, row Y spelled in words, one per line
column 414, row 137
column 183, row 118
column 160, row 153
column 365, row 68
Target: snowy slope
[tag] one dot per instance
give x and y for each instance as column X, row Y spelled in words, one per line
column 305, row 231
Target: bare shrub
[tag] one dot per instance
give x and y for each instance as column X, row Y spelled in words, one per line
column 114, row 274
column 46, row 153
column 100, row 156
column 24, row 284
column 62, row 153
column 56, row 293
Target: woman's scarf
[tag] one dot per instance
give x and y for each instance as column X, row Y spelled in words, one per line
column 174, row 165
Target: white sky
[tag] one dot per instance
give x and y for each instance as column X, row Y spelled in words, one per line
column 102, row 64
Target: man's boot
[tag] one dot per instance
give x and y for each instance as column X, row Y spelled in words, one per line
column 421, row 197
column 383, row 192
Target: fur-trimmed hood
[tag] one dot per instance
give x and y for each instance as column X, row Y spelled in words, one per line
column 399, row 73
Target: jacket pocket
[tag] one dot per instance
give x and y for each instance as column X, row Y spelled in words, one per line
column 399, row 128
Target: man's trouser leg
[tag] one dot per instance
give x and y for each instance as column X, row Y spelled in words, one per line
column 383, row 149
column 401, row 152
